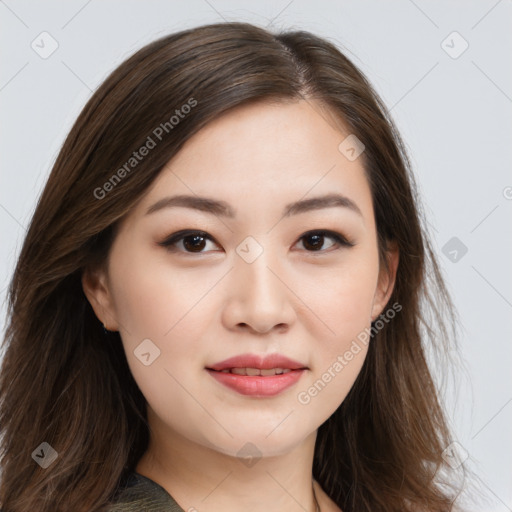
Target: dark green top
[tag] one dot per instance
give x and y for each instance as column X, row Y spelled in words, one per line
column 140, row 494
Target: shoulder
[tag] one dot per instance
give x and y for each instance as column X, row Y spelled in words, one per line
column 139, row 493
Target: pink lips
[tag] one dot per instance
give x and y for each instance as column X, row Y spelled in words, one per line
column 258, row 385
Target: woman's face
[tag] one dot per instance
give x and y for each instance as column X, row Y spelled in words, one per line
column 255, row 281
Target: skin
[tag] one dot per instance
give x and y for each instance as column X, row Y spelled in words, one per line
column 202, row 307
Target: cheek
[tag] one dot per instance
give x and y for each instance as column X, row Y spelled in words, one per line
column 341, row 297
column 154, row 302
column 152, row 298
column 170, row 307
column 342, row 301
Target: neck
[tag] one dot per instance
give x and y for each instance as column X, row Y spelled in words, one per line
column 201, row 478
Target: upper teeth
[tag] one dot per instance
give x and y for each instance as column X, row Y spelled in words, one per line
column 256, row 371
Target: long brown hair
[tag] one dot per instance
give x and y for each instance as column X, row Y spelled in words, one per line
column 65, row 382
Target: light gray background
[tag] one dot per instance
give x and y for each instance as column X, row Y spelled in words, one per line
column 454, row 114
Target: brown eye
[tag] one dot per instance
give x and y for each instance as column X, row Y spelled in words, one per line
column 195, row 242
column 192, row 241
column 314, row 240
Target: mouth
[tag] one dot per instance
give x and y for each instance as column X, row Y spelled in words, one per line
column 256, row 375
column 253, row 372
column 252, row 364
column 257, row 382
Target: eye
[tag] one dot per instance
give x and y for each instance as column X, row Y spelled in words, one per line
column 192, row 241
column 195, row 241
column 315, row 239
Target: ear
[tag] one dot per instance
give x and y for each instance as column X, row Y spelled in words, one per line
column 386, row 281
column 97, row 290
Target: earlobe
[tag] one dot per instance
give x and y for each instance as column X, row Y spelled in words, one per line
column 386, row 282
column 96, row 289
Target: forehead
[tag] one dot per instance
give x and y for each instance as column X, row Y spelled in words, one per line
column 265, row 154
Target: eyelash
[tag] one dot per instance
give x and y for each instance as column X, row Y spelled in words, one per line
column 170, row 242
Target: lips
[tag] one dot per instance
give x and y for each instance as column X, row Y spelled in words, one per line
column 250, row 374
column 258, row 362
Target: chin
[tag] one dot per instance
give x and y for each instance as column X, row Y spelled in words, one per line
column 256, row 444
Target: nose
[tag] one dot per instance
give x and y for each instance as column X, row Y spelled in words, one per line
column 259, row 299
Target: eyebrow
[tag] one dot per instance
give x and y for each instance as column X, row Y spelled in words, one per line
column 223, row 209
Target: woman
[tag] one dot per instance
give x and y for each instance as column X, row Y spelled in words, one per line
column 221, row 300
